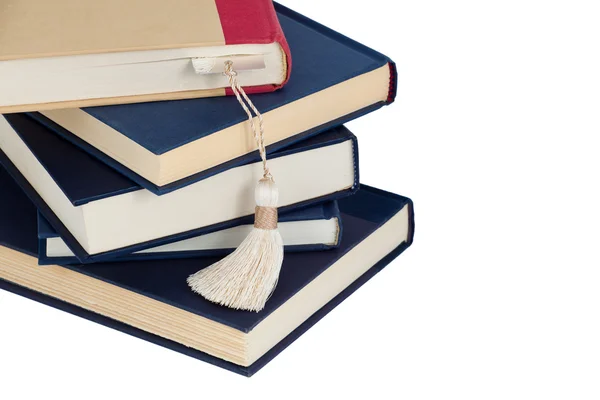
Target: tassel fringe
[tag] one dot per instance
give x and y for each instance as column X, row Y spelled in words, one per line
column 245, row 279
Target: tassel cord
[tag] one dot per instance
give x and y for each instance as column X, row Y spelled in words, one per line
column 245, row 102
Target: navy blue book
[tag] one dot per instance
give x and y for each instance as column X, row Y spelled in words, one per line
column 151, row 299
column 100, row 214
column 164, row 146
column 313, row 228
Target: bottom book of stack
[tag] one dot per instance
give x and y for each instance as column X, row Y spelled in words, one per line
column 150, row 298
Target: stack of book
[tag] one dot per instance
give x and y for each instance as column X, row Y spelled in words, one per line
column 129, row 165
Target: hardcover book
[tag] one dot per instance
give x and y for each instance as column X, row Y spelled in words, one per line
column 312, row 228
column 73, row 53
column 163, row 146
column 100, row 214
column 151, row 300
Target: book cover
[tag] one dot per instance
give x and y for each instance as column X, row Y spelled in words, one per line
column 334, row 80
column 372, row 216
column 314, row 228
column 101, row 214
column 107, row 52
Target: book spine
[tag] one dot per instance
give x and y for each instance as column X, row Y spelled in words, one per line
column 393, row 88
column 264, row 29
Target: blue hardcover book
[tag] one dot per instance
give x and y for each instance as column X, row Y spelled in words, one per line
column 151, row 300
column 100, row 214
column 164, row 146
column 313, row 228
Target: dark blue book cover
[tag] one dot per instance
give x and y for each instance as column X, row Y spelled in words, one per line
column 327, row 211
column 322, row 57
column 83, row 179
column 365, row 214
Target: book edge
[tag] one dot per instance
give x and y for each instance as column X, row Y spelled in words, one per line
column 246, row 371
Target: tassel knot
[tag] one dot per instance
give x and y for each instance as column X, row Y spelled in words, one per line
column 265, row 218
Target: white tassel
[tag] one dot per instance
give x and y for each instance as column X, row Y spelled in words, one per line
column 245, row 279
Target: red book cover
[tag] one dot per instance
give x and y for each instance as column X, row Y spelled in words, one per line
column 253, row 21
column 69, row 54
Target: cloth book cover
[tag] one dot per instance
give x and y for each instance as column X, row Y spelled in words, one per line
column 314, row 228
column 72, row 53
column 378, row 227
column 164, row 146
column 100, row 214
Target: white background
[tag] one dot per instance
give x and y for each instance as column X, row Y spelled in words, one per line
column 495, row 137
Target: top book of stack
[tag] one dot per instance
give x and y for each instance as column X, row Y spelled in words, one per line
column 75, row 53
column 166, row 145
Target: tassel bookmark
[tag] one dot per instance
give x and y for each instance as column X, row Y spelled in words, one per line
column 246, row 278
